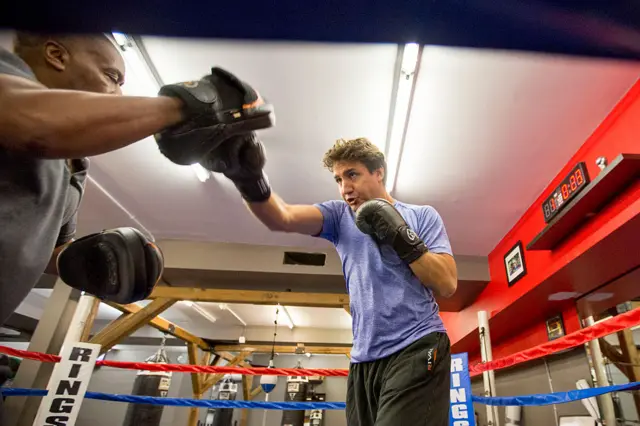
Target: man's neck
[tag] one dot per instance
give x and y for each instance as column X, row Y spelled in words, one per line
column 385, row 195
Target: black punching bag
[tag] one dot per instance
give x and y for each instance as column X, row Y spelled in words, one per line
column 296, row 391
column 149, row 383
column 228, row 392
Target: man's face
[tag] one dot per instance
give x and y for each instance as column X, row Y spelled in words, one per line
column 90, row 64
column 356, row 183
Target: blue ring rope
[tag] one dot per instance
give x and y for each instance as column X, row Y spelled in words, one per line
column 186, row 402
column 524, row 400
column 553, row 398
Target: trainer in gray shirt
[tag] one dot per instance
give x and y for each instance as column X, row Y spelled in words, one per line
column 39, row 199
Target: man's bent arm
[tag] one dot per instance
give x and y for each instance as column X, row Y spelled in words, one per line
column 72, row 124
column 280, row 216
column 437, row 271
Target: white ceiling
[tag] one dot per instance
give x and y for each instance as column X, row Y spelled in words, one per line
column 487, row 132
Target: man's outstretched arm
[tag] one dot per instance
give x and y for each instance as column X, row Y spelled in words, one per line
column 280, row 216
column 242, row 159
column 71, row 124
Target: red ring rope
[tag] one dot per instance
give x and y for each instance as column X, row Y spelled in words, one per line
column 577, row 338
column 211, row 369
column 571, row 340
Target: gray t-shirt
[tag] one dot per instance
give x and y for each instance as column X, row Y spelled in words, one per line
column 39, row 199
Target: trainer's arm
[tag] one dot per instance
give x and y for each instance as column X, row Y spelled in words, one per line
column 437, row 271
column 71, row 124
column 280, row 216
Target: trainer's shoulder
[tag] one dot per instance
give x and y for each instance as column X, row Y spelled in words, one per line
column 12, row 64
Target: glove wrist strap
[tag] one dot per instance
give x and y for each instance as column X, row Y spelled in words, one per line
column 408, row 245
column 256, row 190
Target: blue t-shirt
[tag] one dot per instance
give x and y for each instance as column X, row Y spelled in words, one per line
column 390, row 307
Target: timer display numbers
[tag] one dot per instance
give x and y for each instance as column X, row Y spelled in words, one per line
column 570, row 186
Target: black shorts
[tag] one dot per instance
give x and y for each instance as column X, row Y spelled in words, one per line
column 410, row 387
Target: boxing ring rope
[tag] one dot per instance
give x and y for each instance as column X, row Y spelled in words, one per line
column 523, row 400
column 580, row 337
column 571, row 340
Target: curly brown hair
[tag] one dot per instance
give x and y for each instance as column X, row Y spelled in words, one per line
column 357, row 150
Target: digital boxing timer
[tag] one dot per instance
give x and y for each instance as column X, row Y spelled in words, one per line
column 570, row 186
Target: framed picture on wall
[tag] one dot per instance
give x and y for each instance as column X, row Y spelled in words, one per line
column 555, row 327
column 514, row 264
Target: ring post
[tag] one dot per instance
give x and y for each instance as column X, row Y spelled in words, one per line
column 488, row 377
column 71, row 375
column 68, row 385
column 79, row 320
column 606, row 403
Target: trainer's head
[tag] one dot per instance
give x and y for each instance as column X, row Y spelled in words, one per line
column 74, row 62
column 359, row 169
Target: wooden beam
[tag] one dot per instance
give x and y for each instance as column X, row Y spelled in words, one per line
column 255, row 392
column 193, row 414
column 347, row 309
column 192, row 352
column 215, row 378
column 196, row 383
column 163, row 325
column 615, row 357
column 127, row 324
column 329, row 300
column 246, row 387
column 630, row 356
column 88, row 324
column 289, row 349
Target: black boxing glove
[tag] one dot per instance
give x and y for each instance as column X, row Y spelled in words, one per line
column 242, row 159
column 216, row 107
column 384, row 223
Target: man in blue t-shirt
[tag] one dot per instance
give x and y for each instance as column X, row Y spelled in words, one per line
column 394, row 257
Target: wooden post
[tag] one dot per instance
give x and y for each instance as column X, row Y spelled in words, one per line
column 630, row 356
column 193, row 413
column 246, row 392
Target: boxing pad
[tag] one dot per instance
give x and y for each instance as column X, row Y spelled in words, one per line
column 118, row 265
column 216, row 107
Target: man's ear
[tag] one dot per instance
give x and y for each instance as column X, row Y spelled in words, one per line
column 379, row 174
column 56, row 55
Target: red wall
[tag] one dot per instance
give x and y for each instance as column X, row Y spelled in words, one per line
column 619, row 133
column 528, row 338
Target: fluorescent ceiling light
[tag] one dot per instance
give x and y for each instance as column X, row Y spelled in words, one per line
column 200, row 310
column 287, row 318
column 202, row 173
column 140, row 81
column 225, row 307
column 402, row 106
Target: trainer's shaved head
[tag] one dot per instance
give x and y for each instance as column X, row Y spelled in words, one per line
column 76, row 62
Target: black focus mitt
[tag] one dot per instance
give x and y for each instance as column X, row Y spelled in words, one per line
column 216, row 107
column 118, row 265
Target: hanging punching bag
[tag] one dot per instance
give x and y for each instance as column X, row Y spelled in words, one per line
column 228, row 392
column 296, row 391
column 149, row 383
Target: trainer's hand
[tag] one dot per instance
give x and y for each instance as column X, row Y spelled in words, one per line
column 242, row 159
column 216, row 107
column 384, row 223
